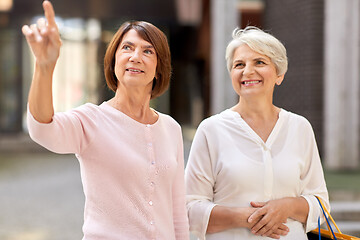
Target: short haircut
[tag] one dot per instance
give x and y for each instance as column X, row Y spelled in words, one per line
column 261, row 42
column 151, row 34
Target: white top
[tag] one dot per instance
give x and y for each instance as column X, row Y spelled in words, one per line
column 132, row 173
column 230, row 165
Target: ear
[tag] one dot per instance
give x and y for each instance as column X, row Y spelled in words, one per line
column 279, row 79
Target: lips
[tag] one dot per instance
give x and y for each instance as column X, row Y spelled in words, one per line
column 250, row 82
column 134, row 70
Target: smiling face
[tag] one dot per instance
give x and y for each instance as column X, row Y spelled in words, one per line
column 135, row 62
column 253, row 74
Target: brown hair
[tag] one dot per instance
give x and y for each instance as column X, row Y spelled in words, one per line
column 151, row 34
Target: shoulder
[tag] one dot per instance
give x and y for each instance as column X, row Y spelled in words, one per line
column 167, row 120
column 169, row 127
column 296, row 121
column 296, row 118
column 89, row 110
column 217, row 121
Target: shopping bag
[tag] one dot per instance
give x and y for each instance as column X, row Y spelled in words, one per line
column 323, row 234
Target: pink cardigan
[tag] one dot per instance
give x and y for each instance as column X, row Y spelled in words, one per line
column 132, row 173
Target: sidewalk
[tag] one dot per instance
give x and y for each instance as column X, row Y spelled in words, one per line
column 16, row 143
column 41, row 197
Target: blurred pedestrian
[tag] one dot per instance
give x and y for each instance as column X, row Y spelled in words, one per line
column 254, row 169
column 131, row 156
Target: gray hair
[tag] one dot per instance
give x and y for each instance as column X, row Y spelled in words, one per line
column 260, row 42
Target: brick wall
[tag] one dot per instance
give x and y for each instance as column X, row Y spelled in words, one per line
column 299, row 26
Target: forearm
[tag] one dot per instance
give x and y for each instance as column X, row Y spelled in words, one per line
column 40, row 94
column 299, row 209
column 223, row 218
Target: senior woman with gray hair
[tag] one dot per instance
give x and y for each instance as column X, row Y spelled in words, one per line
column 254, row 169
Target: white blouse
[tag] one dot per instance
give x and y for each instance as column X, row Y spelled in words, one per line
column 230, row 165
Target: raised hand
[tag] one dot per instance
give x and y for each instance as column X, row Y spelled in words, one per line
column 44, row 41
column 44, row 38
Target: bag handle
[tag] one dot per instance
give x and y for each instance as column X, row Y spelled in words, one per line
column 328, row 214
column 323, row 208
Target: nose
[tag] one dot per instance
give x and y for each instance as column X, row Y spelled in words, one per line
column 135, row 57
column 248, row 69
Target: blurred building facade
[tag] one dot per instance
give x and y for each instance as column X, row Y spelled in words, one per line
column 322, row 38
column 321, row 84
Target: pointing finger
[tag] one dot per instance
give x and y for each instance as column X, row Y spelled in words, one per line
column 49, row 13
column 257, row 204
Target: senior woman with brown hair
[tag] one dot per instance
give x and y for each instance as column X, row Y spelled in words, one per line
column 131, row 156
column 254, row 169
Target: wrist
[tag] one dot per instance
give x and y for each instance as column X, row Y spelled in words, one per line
column 45, row 65
column 241, row 217
column 295, row 208
column 45, row 68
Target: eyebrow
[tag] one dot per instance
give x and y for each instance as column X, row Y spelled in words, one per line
column 255, row 59
column 132, row 44
column 260, row 58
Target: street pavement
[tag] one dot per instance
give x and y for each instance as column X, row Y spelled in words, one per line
column 41, row 197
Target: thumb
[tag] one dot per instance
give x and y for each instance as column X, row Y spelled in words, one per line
column 257, row 204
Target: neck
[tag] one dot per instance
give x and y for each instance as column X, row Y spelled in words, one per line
column 261, row 116
column 134, row 105
column 261, row 110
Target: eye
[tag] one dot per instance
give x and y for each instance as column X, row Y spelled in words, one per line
column 126, row 47
column 239, row 65
column 148, row 51
column 260, row 62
